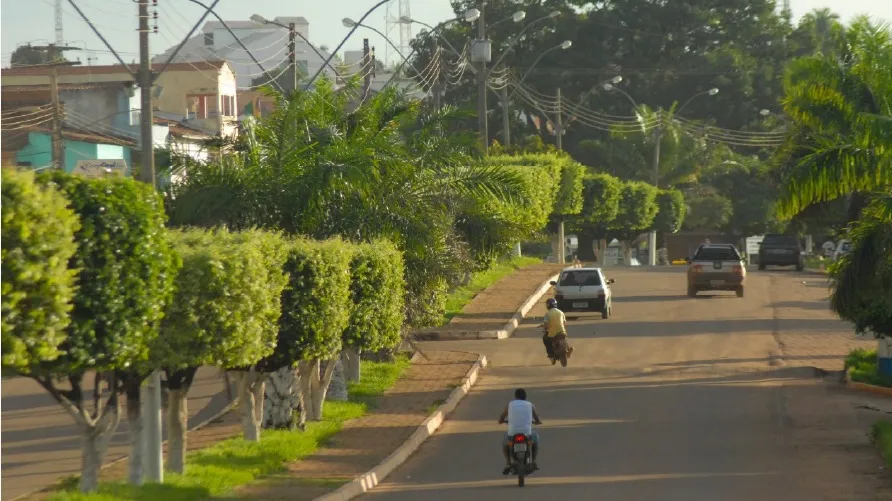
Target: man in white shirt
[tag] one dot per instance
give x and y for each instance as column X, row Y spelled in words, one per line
column 520, row 416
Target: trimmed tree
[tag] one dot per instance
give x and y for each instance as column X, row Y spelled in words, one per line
column 637, row 210
column 378, row 290
column 126, row 268
column 601, row 196
column 316, row 308
column 225, row 312
column 38, row 242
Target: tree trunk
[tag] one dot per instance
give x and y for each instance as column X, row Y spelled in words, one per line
column 626, row 247
column 586, row 250
column 306, row 372
column 319, row 386
column 178, row 383
column 177, row 422
column 279, row 399
column 352, row 359
column 135, row 425
column 857, row 203
column 96, row 437
column 337, row 390
column 247, row 395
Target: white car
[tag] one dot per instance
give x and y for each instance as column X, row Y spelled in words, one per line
column 583, row 289
column 842, row 248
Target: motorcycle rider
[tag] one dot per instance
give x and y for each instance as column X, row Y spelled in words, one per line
column 520, row 415
column 555, row 322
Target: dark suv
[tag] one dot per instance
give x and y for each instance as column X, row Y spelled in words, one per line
column 780, row 250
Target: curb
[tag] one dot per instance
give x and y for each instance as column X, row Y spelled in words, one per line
column 226, row 409
column 506, row 330
column 869, row 388
column 367, row 481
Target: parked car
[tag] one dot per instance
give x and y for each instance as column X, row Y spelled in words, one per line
column 781, row 250
column 843, row 248
column 716, row 267
column 583, row 289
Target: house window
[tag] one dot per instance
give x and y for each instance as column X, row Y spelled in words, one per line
column 193, row 103
column 210, row 103
column 209, row 39
column 228, row 105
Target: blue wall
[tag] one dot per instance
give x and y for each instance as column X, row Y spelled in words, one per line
column 39, row 152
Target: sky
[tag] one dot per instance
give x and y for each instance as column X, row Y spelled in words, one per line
column 23, row 21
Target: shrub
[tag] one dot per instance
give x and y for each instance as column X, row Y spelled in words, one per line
column 38, row 242
column 378, row 292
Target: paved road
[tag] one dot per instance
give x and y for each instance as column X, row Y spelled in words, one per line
column 673, row 398
column 39, row 441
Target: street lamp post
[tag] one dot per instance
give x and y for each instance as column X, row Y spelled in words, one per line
column 506, row 99
column 658, row 138
column 338, row 48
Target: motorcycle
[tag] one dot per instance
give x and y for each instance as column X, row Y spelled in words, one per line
column 560, row 348
column 521, row 450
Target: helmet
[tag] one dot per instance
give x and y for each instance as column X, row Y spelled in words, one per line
column 551, row 303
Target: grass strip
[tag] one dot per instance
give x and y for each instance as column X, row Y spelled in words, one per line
column 881, row 434
column 861, row 365
column 219, row 469
column 460, row 297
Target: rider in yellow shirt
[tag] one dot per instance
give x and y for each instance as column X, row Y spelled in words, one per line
column 555, row 322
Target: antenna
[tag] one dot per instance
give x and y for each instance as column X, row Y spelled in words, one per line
column 60, row 39
column 396, row 9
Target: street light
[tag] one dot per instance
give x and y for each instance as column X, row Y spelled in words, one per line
column 506, row 99
column 516, row 17
column 338, row 48
column 658, row 137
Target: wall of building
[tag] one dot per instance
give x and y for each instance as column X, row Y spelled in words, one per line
column 39, row 152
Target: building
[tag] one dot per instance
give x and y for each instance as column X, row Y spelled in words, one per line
column 201, row 94
column 267, row 42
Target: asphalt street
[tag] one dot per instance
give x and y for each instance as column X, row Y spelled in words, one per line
column 673, row 398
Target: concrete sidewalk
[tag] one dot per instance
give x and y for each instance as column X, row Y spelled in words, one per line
column 491, row 308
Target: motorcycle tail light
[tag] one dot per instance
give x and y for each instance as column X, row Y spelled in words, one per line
column 520, row 438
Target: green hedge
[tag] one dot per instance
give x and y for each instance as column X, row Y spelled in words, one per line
column 671, row 209
column 316, row 304
column 126, row 269
column 637, row 210
column 228, row 299
column 37, row 243
column 861, row 366
column 377, row 288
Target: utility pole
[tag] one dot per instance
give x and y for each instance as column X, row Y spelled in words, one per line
column 153, row 470
column 559, row 133
column 437, row 88
column 292, row 53
column 366, row 61
column 58, row 142
column 55, row 59
column 652, row 236
column 506, row 119
column 482, row 55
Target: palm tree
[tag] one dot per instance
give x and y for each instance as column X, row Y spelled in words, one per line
column 841, row 106
column 862, row 280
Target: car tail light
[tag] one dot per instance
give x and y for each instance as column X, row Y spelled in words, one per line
column 737, row 270
column 697, row 268
column 601, row 294
column 559, row 297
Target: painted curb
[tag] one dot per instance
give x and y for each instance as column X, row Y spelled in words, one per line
column 869, row 388
column 506, row 330
column 367, row 481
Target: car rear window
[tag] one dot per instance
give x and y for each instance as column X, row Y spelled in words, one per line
column 780, row 240
column 716, row 254
column 580, row 277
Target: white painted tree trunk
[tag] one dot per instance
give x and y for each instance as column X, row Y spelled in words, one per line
column 281, row 398
column 352, row 359
column 177, row 422
column 627, row 252
column 250, row 391
column 337, row 390
column 137, row 445
column 314, row 386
